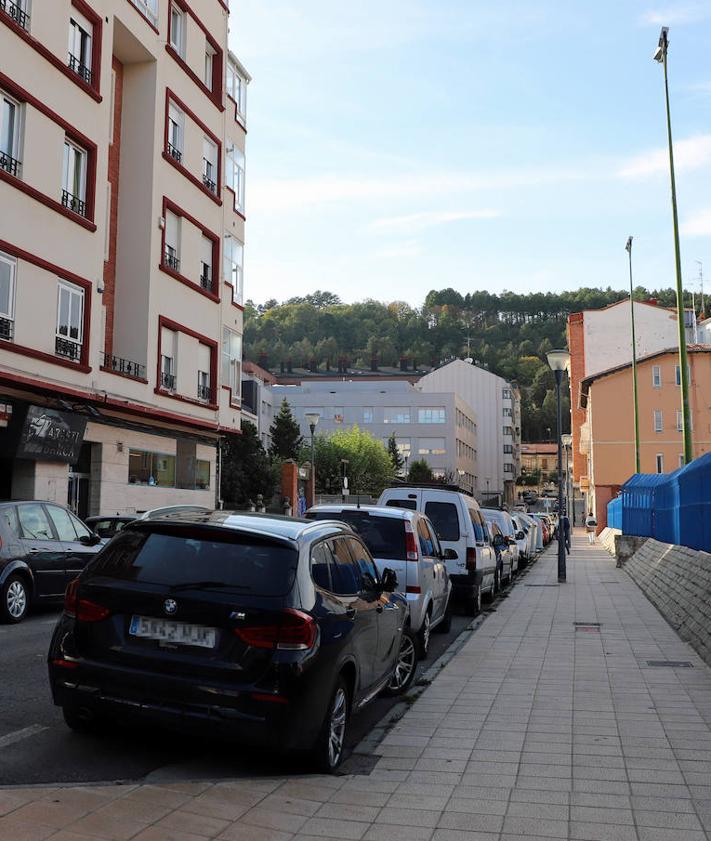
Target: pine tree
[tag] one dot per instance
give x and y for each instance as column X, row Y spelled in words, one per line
column 420, row 471
column 246, row 471
column 395, row 455
column 286, row 436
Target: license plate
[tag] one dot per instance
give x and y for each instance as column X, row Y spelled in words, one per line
column 179, row 633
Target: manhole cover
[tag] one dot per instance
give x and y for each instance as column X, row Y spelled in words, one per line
column 542, row 585
column 671, row 664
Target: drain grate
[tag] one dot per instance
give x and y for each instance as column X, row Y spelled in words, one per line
column 588, row 624
column 671, row 664
column 541, row 585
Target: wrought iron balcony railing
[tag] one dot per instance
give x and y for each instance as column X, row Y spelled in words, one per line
column 171, row 259
column 123, row 366
column 7, row 328
column 73, row 203
column 167, row 381
column 19, row 15
column 209, row 183
column 175, row 153
column 10, row 164
column 205, row 276
column 63, row 347
column 80, row 68
column 204, row 392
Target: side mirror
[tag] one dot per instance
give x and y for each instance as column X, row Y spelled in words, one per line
column 498, row 540
column 449, row 555
column 511, row 541
column 520, row 535
column 389, row 581
column 89, row 539
column 370, row 585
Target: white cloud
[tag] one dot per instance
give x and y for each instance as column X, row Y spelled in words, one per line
column 691, row 153
column 413, row 222
column 677, row 13
column 406, row 248
column 698, row 225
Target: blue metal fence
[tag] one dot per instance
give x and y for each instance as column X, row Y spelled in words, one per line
column 614, row 513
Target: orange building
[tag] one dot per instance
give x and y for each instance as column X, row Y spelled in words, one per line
column 607, row 433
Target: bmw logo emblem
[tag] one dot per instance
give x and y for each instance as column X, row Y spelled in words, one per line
column 170, row 606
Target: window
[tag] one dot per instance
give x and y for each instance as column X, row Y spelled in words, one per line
column 206, row 255
column 508, row 448
column 204, row 389
column 508, row 468
column 428, row 542
column 8, row 268
column 177, row 30
column 432, row 447
column 209, row 164
column 235, row 174
column 660, row 463
column 80, row 38
column 656, row 376
column 74, row 178
column 176, row 132
column 209, row 60
column 171, row 256
column 658, row 421
column 508, row 430
column 338, row 414
column 478, row 525
column 367, row 414
column 508, row 413
column 10, row 134
column 202, row 474
column 18, row 10
column 345, row 573
column 367, row 571
column 237, row 89
column 62, row 523
column 432, row 415
column 8, row 516
column 149, row 8
column 232, row 266
column 679, row 421
column 677, row 374
column 681, row 460
column 151, row 469
column 321, row 566
column 231, row 360
column 167, row 359
column 34, row 524
column 70, row 320
column 506, row 393
column 444, row 518
column 396, row 414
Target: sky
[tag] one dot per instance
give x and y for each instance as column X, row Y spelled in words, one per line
column 399, row 146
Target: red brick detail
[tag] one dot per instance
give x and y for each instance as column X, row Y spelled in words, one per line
column 603, row 495
column 109, row 296
column 576, row 346
column 290, row 483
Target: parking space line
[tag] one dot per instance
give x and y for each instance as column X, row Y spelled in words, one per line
column 19, row 735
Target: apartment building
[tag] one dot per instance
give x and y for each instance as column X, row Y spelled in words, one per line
column 439, row 428
column 497, row 404
column 607, row 435
column 258, row 400
column 122, row 167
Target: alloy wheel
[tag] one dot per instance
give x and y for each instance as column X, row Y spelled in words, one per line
column 16, row 599
column 337, row 727
column 406, row 664
column 426, row 631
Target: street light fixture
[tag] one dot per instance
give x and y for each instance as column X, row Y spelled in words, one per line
column 312, row 419
column 559, row 361
column 660, row 56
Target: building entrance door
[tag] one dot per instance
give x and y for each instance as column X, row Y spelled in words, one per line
column 79, row 479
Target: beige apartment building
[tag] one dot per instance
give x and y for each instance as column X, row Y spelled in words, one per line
column 122, row 137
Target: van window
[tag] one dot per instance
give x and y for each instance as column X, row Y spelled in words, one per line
column 445, row 519
column 477, row 523
column 384, row 536
column 410, row 504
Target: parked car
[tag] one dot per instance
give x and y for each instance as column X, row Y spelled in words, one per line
column 535, row 533
column 404, row 541
column 43, row 546
column 522, row 539
column 508, row 529
column 545, row 528
column 107, row 527
column 504, row 556
column 269, row 630
column 459, row 526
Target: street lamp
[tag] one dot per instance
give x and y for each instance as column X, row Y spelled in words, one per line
column 569, row 502
column 660, row 56
column 312, row 419
column 628, row 249
column 559, row 360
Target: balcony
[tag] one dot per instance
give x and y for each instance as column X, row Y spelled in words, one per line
column 16, row 13
column 126, row 367
column 79, row 68
column 67, row 349
column 73, row 203
column 10, row 164
column 204, row 392
column 7, row 328
column 167, row 381
column 209, row 183
column 175, row 153
column 206, row 277
column 171, row 259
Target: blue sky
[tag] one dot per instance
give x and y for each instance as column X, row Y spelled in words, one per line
column 397, row 146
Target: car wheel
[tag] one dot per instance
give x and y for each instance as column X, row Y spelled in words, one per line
column 14, row 599
column 82, row 721
column 405, row 665
column 445, row 626
column 474, row 604
column 423, row 635
column 328, row 752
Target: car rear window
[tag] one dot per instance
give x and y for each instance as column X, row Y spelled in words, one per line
column 410, row 504
column 478, row 525
column 238, row 562
column 444, row 518
column 384, row 536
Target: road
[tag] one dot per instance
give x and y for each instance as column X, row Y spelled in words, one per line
column 37, row 747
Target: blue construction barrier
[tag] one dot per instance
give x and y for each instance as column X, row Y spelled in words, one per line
column 670, row 507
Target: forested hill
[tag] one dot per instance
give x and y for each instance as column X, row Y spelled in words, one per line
column 508, row 333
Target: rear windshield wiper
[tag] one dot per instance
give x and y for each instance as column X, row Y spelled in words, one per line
column 206, row 585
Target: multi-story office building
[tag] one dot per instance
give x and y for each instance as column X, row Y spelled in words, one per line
column 122, row 136
column 439, row 428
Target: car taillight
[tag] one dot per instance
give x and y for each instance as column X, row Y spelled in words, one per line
column 471, row 558
column 82, row 609
column 410, row 543
column 295, row 632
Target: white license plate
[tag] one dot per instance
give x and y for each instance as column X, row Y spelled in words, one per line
column 180, row 633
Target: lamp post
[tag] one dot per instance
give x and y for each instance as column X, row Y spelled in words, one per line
column 635, row 403
column 312, row 419
column 569, row 506
column 660, row 56
column 559, row 360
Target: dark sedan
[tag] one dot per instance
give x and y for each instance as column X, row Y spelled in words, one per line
column 270, row 630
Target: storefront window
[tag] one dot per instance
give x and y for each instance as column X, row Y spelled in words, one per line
column 202, row 475
column 151, row 469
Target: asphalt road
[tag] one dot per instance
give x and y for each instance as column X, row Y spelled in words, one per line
column 37, row 747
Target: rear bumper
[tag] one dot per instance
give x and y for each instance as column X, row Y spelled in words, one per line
column 465, row 586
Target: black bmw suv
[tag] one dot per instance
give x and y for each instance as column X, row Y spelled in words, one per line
column 271, row 630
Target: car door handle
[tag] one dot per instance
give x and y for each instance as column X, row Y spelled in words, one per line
column 34, row 551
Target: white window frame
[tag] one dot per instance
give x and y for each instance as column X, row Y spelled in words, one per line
column 237, row 90
column 73, row 291
column 149, row 9
column 231, row 365
column 81, row 35
column 428, row 450
column 177, row 38
column 173, row 246
column 233, row 269
column 7, row 260
column 235, row 174
column 176, row 128
column 204, row 382
column 397, row 414
column 209, row 162
column 67, row 182
column 679, row 421
column 656, row 376
column 14, row 136
column 659, row 462
column 658, row 420
column 432, row 415
column 368, row 414
column 210, row 54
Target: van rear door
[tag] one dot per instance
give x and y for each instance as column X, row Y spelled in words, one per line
column 444, row 512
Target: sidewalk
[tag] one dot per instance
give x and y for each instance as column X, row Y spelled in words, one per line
column 536, row 729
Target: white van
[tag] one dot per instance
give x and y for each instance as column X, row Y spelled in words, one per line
column 459, row 526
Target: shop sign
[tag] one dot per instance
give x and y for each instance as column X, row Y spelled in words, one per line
column 51, row 435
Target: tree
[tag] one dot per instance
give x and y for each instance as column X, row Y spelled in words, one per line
column 369, row 469
column 420, row 471
column 286, row 435
column 246, row 471
column 396, row 458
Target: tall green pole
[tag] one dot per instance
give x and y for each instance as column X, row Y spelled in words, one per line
column 661, row 56
column 637, row 469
